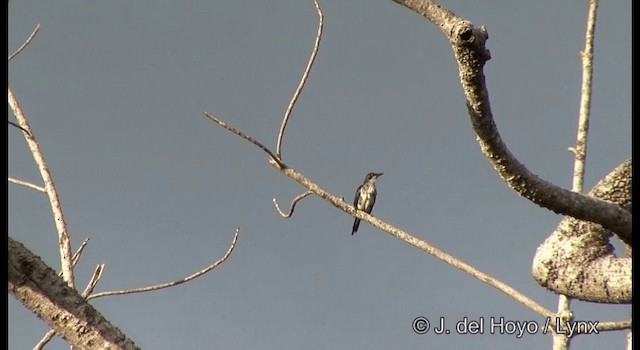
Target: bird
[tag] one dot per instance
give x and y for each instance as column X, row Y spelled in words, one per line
column 365, row 197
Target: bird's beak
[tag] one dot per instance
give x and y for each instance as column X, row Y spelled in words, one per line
column 378, row 174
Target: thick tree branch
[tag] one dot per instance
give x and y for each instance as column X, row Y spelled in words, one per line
column 577, row 260
column 39, row 288
column 468, row 44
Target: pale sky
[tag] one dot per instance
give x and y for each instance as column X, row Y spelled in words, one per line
column 115, row 93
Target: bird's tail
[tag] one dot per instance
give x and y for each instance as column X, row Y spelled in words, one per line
column 356, row 224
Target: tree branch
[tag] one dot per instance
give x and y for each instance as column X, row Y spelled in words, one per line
column 303, row 80
column 38, row 287
column 468, row 44
column 293, row 204
column 64, row 240
column 33, row 35
column 577, row 260
column 174, row 283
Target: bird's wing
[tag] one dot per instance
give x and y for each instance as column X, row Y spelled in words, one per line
column 357, row 196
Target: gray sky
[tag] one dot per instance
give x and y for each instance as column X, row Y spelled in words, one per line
column 115, row 93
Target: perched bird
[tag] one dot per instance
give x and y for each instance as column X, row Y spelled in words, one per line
column 365, row 197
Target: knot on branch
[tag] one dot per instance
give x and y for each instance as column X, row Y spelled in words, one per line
column 464, row 34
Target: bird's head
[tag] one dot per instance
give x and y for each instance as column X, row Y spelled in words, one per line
column 373, row 176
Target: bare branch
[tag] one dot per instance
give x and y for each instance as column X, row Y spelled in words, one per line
column 78, row 253
column 38, row 287
column 293, row 204
column 305, row 75
column 27, row 184
column 174, row 283
column 97, row 274
column 51, row 333
column 614, row 326
column 339, row 203
column 577, row 260
column 64, row 240
column 468, row 44
column 95, row 278
column 33, row 35
column 246, row 137
column 45, row 340
column 580, row 149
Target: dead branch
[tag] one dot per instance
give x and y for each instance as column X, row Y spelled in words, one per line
column 468, row 44
column 174, row 283
column 38, row 287
column 303, row 80
column 577, row 260
column 64, row 239
column 33, row 35
column 580, row 149
column 26, row 184
column 339, row 203
column 247, row 137
column 293, row 204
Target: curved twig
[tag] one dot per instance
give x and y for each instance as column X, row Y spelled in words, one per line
column 303, row 80
column 468, row 44
column 17, row 126
column 26, row 184
column 174, row 283
column 247, row 137
column 293, row 204
column 33, row 35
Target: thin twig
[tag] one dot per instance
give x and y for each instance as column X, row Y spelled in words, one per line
column 33, row 35
column 174, row 283
column 45, row 340
column 27, row 184
column 293, row 204
column 246, row 137
column 296, row 94
column 64, row 240
column 78, row 253
column 17, row 126
column 95, row 278
column 580, row 149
